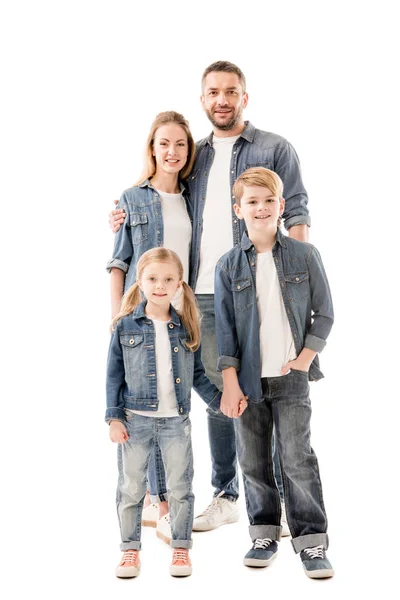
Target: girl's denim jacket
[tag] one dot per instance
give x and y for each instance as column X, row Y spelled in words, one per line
column 306, row 297
column 142, row 229
column 131, row 367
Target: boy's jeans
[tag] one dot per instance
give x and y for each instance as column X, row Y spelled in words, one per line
column 286, row 405
column 174, row 439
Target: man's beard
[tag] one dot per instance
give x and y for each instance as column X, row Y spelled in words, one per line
column 231, row 124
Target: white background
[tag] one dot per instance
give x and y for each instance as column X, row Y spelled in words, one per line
column 82, row 82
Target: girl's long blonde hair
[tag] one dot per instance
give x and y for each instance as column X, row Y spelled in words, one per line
column 189, row 313
column 149, row 166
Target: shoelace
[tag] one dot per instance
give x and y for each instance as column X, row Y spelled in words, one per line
column 129, row 556
column 213, row 507
column 167, row 518
column 261, row 544
column 179, row 555
column 316, row 552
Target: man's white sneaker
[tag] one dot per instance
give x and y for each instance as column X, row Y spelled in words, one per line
column 150, row 515
column 220, row 512
column 163, row 529
column 284, row 523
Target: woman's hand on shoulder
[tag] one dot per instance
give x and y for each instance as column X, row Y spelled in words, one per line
column 116, row 218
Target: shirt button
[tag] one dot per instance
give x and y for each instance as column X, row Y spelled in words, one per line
column 232, row 172
column 297, row 279
column 132, row 341
column 234, row 152
column 235, row 221
column 158, row 231
column 176, row 349
column 170, row 326
column 181, row 410
column 252, row 264
column 155, row 195
column 238, row 287
column 133, row 222
column 177, row 380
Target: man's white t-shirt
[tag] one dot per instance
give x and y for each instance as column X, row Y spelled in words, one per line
column 167, row 406
column 217, row 237
column 276, row 339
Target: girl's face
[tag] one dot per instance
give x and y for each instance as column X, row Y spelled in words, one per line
column 170, row 148
column 159, row 282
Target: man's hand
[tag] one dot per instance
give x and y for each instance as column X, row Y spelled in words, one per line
column 118, row 432
column 116, row 218
column 233, row 402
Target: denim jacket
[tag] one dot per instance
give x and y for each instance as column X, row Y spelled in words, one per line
column 254, row 148
column 306, row 297
column 142, row 229
column 131, row 367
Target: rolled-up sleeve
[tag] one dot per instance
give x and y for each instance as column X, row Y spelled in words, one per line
column 123, row 248
column 287, row 166
column 321, row 304
column 227, row 343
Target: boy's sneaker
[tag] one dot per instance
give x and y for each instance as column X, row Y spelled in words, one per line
column 129, row 565
column 315, row 563
column 163, row 529
column 284, row 523
column 150, row 515
column 261, row 554
column 180, row 565
column 220, row 512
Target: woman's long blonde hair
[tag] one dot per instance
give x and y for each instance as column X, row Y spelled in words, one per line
column 189, row 313
column 149, row 166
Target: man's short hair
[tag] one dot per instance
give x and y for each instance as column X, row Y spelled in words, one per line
column 258, row 176
column 223, row 66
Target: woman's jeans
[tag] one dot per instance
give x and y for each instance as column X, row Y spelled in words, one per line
column 286, row 405
column 173, row 436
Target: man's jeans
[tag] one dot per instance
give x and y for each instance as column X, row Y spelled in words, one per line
column 286, row 405
column 173, row 436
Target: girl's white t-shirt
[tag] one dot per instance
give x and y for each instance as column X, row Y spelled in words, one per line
column 276, row 339
column 167, row 405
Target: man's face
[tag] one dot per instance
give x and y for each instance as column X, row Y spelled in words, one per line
column 223, row 100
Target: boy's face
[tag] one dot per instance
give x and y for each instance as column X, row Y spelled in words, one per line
column 260, row 209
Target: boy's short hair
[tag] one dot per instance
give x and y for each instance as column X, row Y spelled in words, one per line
column 258, row 176
column 223, row 66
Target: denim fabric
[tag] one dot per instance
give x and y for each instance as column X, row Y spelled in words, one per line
column 174, row 438
column 131, row 367
column 156, row 483
column 254, row 148
column 306, row 297
column 286, row 405
column 142, row 229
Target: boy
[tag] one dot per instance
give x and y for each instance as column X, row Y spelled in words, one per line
column 273, row 314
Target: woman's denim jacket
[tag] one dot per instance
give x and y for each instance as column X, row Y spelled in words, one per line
column 132, row 373
column 306, row 297
column 142, row 229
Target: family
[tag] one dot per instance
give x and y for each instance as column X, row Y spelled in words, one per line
column 208, row 293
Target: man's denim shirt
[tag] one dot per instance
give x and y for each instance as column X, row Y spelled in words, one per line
column 306, row 297
column 254, row 148
column 131, row 367
column 142, row 229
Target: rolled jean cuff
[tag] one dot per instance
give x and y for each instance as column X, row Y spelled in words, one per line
column 181, row 544
column 157, row 498
column 309, row 541
column 131, row 546
column 273, row 532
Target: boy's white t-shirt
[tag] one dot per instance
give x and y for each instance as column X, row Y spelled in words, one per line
column 216, row 238
column 276, row 339
column 167, row 405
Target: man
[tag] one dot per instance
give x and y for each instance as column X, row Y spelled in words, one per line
column 233, row 146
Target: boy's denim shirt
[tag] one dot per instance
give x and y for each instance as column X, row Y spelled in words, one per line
column 142, row 229
column 131, row 367
column 306, row 297
column 254, row 148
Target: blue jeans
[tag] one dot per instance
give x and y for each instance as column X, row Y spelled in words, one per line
column 285, row 405
column 173, row 436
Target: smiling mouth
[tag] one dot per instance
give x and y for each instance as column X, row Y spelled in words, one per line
column 263, row 217
column 172, row 160
column 160, row 295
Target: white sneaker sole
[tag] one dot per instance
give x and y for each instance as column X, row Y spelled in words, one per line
column 256, row 562
column 163, row 537
column 210, row 527
column 127, row 572
column 180, row 571
column 320, row 573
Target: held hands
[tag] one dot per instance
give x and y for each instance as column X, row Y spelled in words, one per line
column 116, row 218
column 233, row 402
column 118, row 432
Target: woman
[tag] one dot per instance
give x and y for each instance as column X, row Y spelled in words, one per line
column 157, row 214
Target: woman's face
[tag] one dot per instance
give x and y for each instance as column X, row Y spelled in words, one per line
column 170, row 148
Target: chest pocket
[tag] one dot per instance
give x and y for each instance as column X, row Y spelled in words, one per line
column 135, row 358
column 139, row 228
column 266, row 163
column 298, row 287
column 242, row 291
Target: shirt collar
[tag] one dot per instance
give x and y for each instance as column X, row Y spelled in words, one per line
column 139, row 313
column 147, row 183
column 248, row 134
column 246, row 242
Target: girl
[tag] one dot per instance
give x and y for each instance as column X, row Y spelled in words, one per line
column 158, row 214
column 153, row 362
